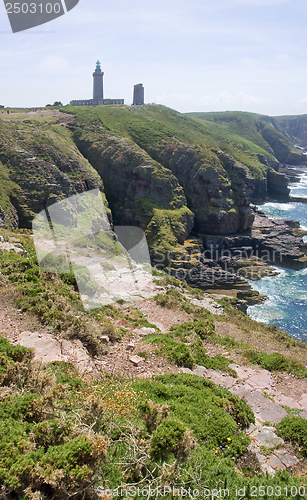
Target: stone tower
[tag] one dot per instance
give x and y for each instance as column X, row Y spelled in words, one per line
column 98, row 83
column 138, row 94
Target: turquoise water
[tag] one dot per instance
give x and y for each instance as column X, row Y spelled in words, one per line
column 286, row 306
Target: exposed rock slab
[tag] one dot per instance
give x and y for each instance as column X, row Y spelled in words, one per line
column 142, row 332
column 287, row 459
column 277, row 241
column 275, row 463
column 269, row 439
column 264, row 408
column 47, row 349
column 286, row 401
column 262, row 380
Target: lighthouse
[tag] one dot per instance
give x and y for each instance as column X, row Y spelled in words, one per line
column 98, row 83
column 98, row 99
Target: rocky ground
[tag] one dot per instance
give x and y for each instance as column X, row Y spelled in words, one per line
column 271, row 396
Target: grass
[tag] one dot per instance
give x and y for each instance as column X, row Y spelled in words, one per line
column 183, row 345
column 276, row 362
column 32, row 154
column 246, row 324
column 215, row 415
column 152, row 124
column 9, row 189
column 175, row 299
column 140, row 141
column 266, row 132
column 295, row 412
column 10, row 354
column 53, row 300
column 63, row 435
column 294, row 429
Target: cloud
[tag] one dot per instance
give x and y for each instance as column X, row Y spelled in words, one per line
column 180, row 98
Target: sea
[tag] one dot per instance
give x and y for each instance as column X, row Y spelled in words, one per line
column 286, row 306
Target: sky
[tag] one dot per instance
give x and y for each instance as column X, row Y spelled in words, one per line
column 196, row 55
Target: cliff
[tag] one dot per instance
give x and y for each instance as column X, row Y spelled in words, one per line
column 40, row 165
column 172, row 175
column 277, row 135
column 94, row 399
column 215, row 170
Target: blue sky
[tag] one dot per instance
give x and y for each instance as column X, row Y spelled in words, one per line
column 196, row 55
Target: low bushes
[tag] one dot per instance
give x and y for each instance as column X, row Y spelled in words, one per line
column 276, row 362
column 62, row 436
column 294, row 429
column 183, row 345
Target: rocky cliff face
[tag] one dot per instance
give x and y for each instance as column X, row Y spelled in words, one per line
column 295, row 127
column 276, row 135
column 277, row 184
column 140, row 191
column 281, row 145
column 166, row 173
column 218, row 189
column 157, row 170
column 43, row 166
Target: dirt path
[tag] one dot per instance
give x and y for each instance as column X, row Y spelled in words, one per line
column 269, row 395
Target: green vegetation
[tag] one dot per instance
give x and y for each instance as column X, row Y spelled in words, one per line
column 9, row 354
column 150, row 125
column 9, row 189
column 175, row 299
column 294, row 429
column 32, row 155
column 268, row 133
column 247, row 325
column 294, row 412
column 54, row 300
column 63, row 436
column 44, row 448
column 276, row 362
column 183, row 345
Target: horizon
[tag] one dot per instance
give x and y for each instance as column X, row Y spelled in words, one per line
column 200, row 57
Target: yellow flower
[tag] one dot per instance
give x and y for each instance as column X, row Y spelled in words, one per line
column 228, row 439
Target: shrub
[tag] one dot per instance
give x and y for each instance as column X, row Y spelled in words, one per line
column 9, row 354
column 276, row 362
column 214, row 414
column 170, row 299
column 294, row 429
column 54, row 301
column 183, row 345
column 65, row 374
column 171, row 437
column 202, row 328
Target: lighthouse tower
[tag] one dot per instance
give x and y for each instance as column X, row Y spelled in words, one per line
column 98, row 83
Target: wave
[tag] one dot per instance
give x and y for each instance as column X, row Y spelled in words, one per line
column 277, row 206
column 287, row 292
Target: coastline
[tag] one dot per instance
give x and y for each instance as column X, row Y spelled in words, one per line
column 286, row 293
